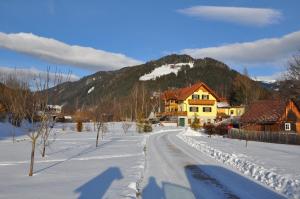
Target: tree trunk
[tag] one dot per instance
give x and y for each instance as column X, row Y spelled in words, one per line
column 14, row 134
column 32, row 157
column 97, row 138
column 44, row 150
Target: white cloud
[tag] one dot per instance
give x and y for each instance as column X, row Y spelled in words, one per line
column 264, row 51
column 240, row 15
column 29, row 74
column 61, row 53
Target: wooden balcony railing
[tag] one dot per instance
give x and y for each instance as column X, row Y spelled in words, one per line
column 201, row 102
column 173, row 113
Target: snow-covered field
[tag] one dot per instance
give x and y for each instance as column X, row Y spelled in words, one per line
column 73, row 167
column 275, row 165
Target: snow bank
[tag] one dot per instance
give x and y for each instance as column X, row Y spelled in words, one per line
column 282, row 184
column 165, row 70
column 191, row 132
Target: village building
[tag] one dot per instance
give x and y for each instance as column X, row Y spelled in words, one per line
column 225, row 110
column 185, row 104
column 54, row 108
column 272, row 115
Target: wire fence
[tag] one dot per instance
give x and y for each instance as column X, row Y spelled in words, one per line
column 265, row 136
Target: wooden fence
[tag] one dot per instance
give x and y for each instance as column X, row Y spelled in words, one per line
column 265, row 136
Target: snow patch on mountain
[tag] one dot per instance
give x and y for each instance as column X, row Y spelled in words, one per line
column 165, row 70
column 91, row 90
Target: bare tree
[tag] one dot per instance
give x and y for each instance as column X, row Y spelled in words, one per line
column 290, row 87
column 35, row 128
column 43, row 84
column 126, row 126
column 37, row 113
column 13, row 97
column 99, row 119
column 293, row 69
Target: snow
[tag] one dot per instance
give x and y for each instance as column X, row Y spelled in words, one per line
column 274, row 165
column 73, row 167
column 91, row 89
column 158, row 164
column 223, row 104
column 7, row 130
column 176, row 170
column 190, row 132
column 165, row 70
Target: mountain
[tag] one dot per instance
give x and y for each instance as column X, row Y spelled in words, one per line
column 172, row 71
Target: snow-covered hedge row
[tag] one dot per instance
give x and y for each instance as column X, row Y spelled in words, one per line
column 288, row 187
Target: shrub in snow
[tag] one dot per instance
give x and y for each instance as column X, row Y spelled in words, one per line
column 196, row 123
column 211, row 129
column 126, row 126
column 144, row 126
column 79, row 126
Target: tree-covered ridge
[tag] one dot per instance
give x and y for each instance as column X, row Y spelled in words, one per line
column 119, row 85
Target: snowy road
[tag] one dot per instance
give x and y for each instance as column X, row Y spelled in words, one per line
column 176, row 170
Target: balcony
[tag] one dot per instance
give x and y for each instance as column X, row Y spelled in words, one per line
column 201, row 102
column 173, row 113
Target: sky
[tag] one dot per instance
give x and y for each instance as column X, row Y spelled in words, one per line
column 83, row 37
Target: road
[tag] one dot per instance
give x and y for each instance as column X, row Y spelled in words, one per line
column 175, row 170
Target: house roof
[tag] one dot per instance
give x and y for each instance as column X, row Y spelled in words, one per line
column 223, row 104
column 264, row 111
column 183, row 93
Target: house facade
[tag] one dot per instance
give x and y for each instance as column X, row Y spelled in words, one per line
column 273, row 116
column 225, row 109
column 186, row 104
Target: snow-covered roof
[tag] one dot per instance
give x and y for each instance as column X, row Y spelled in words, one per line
column 223, row 104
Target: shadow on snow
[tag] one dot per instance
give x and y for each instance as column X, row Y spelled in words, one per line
column 227, row 184
column 88, row 150
column 97, row 187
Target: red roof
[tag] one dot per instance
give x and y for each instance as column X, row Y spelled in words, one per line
column 264, row 111
column 183, row 93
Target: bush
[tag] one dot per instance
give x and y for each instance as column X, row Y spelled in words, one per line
column 211, row 129
column 144, row 126
column 196, row 123
column 222, row 129
column 147, row 127
column 79, row 126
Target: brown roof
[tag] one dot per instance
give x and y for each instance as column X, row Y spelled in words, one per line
column 264, row 111
column 183, row 93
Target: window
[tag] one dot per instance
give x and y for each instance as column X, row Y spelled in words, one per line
column 287, row 126
column 194, row 109
column 206, row 109
column 195, row 96
column 205, row 97
column 231, row 112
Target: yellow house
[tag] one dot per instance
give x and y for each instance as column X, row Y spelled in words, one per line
column 224, row 109
column 187, row 103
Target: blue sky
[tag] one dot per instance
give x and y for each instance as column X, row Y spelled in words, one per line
column 112, row 34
